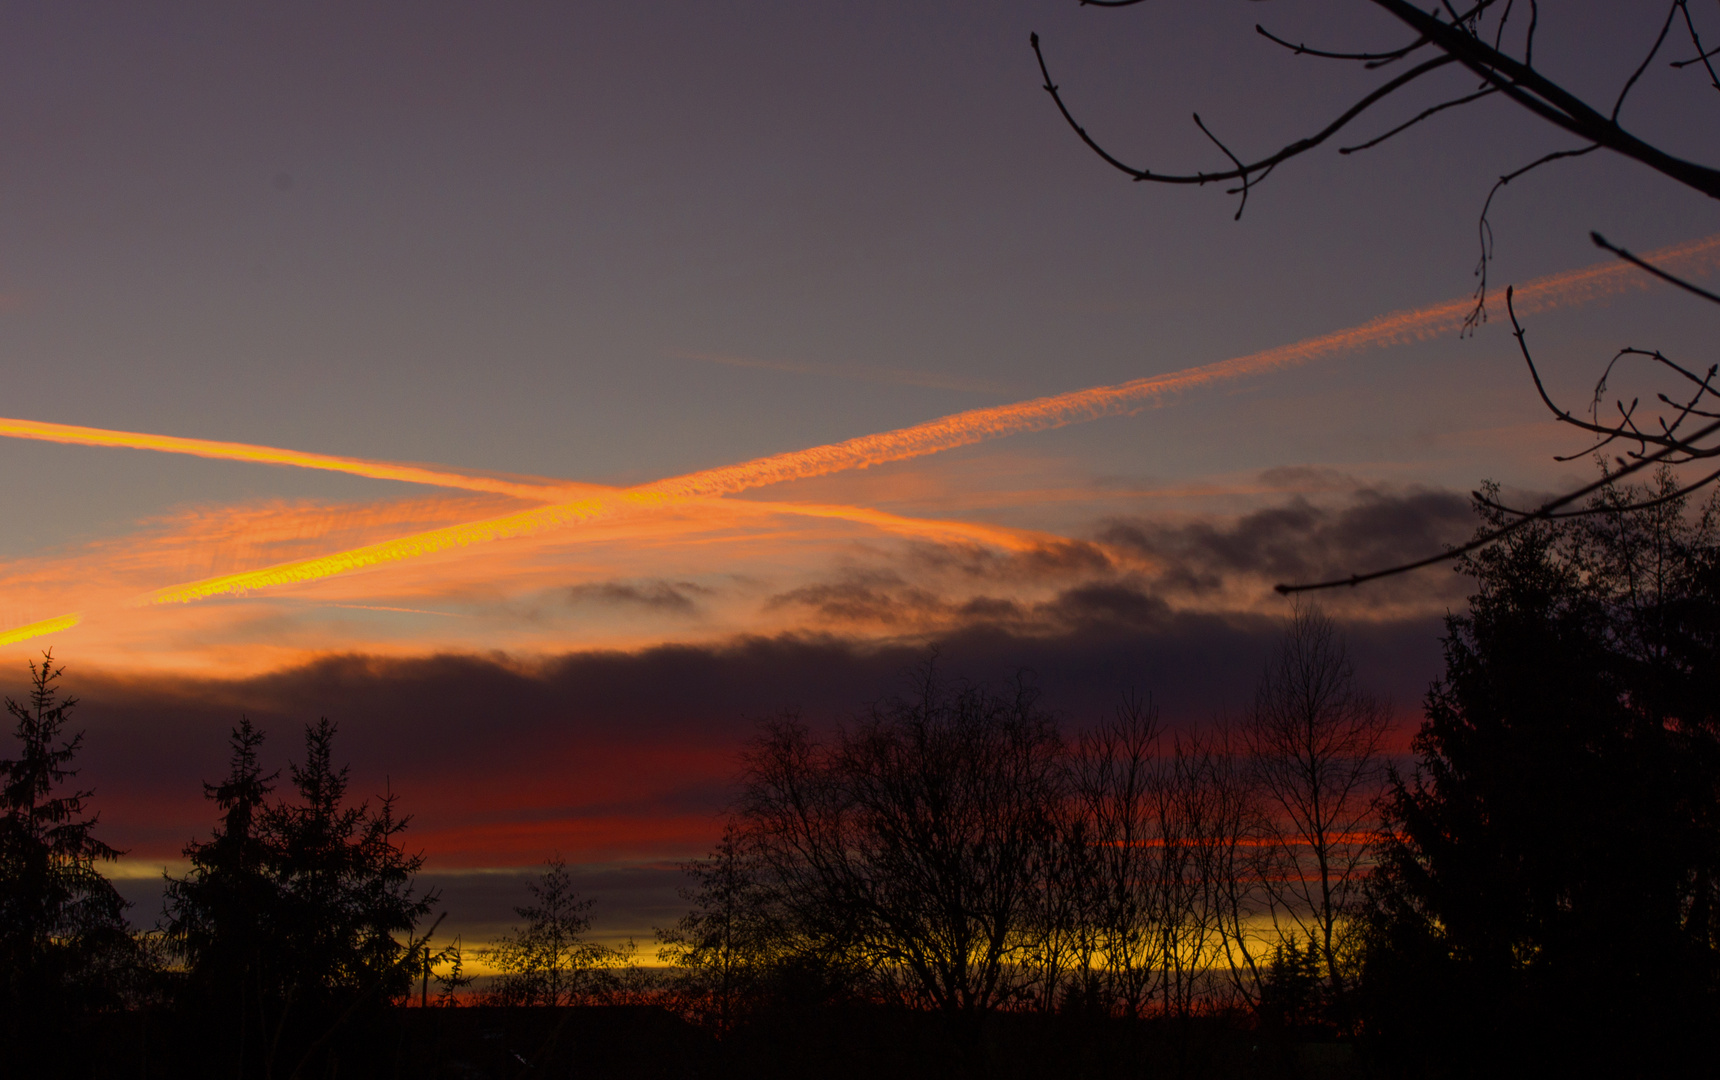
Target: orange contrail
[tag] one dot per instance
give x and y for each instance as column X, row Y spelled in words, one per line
column 538, row 491
column 538, row 519
column 960, row 429
column 976, row 425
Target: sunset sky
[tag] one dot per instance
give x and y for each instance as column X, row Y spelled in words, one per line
column 548, row 392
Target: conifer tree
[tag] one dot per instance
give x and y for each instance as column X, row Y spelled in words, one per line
column 64, row 945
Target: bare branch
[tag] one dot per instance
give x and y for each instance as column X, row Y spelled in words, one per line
column 1484, row 230
column 1234, row 161
column 1542, row 513
column 1702, row 55
column 1622, row 430
column 1592, row 511
column 1242, row 171
column 1423, row 115
column 1642, row 67
column 1601, row 242
column 1372, row 59
column 1547, row 99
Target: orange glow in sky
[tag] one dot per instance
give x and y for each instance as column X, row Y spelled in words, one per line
column 699, row 494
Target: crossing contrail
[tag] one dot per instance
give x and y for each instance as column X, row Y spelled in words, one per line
column 536, row 490
column 1566, row 289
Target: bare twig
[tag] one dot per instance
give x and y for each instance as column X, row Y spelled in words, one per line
column 1371, row 59
column 1659, row 40
column 1702, row 55
column 1547, row 99
column 1241, row 171
column 1670, row 279
column 1418, row 118
column 1623, row 430
column 1593, row 511
column 1484, row 230
column 1541, row 513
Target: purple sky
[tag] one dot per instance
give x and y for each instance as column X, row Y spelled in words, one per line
column 614, row 243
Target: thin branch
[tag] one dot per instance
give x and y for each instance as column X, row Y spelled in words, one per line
column 1702, row 55
column 1543, row 512
column 1601, row 242
column 1505, row 17
column 1244, row 171
column 1604, row 509
column 1671, row 445
column 1547, row 99
column 1671, row 13
column 1372, row 59
column 1233, row 161
column 1484, row 231
column 1423, row 115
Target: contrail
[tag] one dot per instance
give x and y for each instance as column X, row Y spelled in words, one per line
column 537, row 491
column 37, row 629
column 962, row 429
column 539, row 519
column 1569, row 288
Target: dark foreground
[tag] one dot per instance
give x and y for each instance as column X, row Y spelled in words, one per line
column 647, row 1043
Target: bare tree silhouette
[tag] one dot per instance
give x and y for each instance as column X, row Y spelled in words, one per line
column 913, row 845
column 1315, row 748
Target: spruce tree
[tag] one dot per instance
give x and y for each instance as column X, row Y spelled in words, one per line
column 64, row 945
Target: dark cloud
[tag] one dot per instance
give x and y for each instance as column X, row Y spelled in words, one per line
column 1302, row 541
column 865, row 596
column 1066, row 558
column 611, row 756
column 670, row 597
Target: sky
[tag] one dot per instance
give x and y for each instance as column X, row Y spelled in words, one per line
column 548, row 393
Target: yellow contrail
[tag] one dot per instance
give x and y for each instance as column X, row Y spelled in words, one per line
column 538, row 491
column 538, row 519
column 37, row 629
column 960, row 429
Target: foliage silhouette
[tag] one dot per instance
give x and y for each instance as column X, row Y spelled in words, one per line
column 65, row 948
column 549, row 961
column 287, row 922
column 1549, row 882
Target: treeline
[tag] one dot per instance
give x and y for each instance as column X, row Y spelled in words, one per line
column 1533, row 887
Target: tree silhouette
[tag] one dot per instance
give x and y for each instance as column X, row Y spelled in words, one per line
column 914, row 845
column 1314, row 743
column 219, row 917
column 548, row 961
column 733, row 939
column 1550, row 880
column 290, row 921
column 64, row 944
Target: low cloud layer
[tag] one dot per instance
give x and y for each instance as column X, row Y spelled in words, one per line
column 612, row 757
column 1301, row 541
